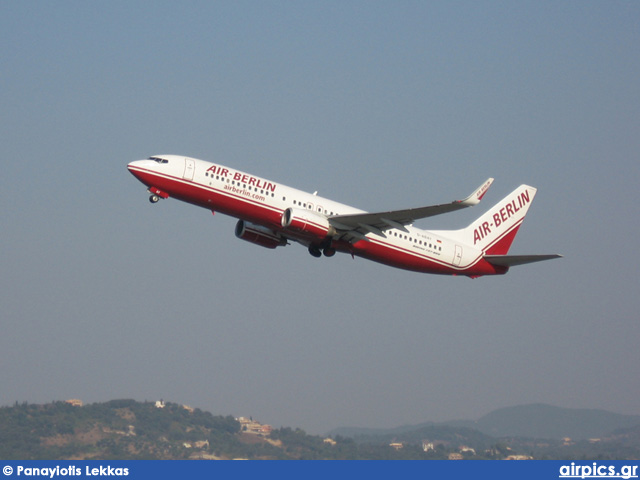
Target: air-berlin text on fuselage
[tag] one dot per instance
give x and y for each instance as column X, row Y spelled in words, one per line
column 501, row 216
column 242, row 178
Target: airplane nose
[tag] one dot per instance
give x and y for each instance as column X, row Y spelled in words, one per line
column 134, row 164
column 136, row 168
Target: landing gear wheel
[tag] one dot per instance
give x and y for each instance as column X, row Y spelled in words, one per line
column 315, row 252
column 329, row 252
column 154, row 198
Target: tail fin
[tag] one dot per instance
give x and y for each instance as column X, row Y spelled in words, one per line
column 494, row 231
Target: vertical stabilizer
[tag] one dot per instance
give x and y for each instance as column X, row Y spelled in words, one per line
column 494, row 231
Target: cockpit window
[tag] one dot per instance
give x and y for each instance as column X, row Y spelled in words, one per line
column 159, row 160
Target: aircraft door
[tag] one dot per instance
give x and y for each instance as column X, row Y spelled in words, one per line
column 189, row 168
column 457, row 256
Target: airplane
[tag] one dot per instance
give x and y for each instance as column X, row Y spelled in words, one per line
column 272, row 215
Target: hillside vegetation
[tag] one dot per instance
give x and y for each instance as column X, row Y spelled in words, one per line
column 127, row 429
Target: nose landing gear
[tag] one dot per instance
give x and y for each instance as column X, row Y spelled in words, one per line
column 156, row 194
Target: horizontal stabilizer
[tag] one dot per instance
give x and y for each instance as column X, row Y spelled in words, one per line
column 513, row 260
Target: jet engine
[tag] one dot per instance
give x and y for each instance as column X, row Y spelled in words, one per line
column 307, row 222
column 259, row 235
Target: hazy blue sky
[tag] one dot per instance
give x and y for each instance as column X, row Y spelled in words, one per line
column 380, row 105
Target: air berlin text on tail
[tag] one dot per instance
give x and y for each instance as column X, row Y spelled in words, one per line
column 504, row 214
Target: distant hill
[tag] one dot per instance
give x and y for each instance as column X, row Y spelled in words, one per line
column 374, row 432
column 546, row 421
column 449, row 436
column 528, row 421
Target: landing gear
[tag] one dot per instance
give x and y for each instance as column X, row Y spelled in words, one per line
column 156, row 194
column 318, row 251
column 329, row 252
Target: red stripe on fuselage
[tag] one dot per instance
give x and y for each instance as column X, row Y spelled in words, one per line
column 251, row 210
column 399, row 257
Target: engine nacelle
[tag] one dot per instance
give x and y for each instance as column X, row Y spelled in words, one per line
column 307, row 222
column 259, row 235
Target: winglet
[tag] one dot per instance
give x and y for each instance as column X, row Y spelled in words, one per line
column 477, row 195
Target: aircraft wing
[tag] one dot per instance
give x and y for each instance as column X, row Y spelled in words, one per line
column 355, row 227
